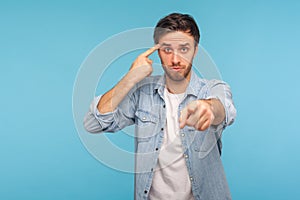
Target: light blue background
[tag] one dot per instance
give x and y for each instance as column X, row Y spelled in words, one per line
column 255, row 45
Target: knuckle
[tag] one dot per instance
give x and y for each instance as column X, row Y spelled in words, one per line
column 188, row 122
column 190, row 109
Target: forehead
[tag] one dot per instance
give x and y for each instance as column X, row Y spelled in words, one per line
column 177, row 38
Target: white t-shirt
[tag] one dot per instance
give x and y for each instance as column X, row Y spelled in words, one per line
column 171, row 178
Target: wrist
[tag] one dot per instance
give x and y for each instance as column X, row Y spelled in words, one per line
column 130, row 79
column 217, row 110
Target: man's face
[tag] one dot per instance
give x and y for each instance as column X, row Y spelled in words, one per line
column 176, row 53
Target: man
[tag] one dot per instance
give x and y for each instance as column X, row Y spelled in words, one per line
column 179, row 118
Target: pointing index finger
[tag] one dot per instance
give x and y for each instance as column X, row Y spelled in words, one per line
column 183, row 117
column 151, row 50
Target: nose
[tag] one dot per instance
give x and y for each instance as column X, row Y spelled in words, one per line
column 175, row 58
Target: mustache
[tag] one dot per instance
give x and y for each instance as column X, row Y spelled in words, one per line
column 175, row 65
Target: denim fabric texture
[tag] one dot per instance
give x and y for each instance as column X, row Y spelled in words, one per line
column 144, row 106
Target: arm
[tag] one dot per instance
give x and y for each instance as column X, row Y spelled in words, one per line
column 103, row 114
column 216, row 108
column 141, row 68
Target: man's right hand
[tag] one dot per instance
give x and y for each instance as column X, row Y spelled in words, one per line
column 142, row 66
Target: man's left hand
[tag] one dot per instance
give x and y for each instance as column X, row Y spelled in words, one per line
column 198, row 114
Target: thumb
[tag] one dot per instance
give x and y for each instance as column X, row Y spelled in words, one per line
column 182, row 118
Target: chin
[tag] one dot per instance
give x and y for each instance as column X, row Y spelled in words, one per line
column 175, row 76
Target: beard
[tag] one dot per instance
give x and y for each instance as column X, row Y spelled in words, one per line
column 177, row 76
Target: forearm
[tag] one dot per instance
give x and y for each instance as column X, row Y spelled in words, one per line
column 218, row 111
column 140, row 68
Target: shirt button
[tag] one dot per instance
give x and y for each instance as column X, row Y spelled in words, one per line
column 182, row 134
column 156, row 149
column 186, row 156
column 144, row 118
column 145, row 191
column 191, row 178
column 162, row 129
column 164, row 106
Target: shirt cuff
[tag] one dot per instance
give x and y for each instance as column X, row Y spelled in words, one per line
column 224, row 123
column 102, row 117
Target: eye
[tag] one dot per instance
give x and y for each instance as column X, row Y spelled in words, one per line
column 167, row 50
column 184, row 49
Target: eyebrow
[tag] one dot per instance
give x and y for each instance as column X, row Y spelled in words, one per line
column 165, row 44
column 185, row 44
column 182, row 45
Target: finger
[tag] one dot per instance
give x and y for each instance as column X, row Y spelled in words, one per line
column 193, row 118
column 203, row 119
column 185, row 113
column 149, row 61
column 205, row 115
column 183, row 117
column 151, row 50
column 203, row 126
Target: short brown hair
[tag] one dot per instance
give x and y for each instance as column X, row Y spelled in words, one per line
column 177, row 22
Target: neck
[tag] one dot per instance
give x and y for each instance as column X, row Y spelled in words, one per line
column 177, row 87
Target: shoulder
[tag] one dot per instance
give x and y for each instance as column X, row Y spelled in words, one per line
column 205, row 86
column 208, row 82
column 199, row 83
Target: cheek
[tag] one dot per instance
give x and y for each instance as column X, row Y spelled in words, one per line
column 187, row 57
column 164, row 58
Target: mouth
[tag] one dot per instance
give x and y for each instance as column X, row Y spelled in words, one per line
column 176, row 68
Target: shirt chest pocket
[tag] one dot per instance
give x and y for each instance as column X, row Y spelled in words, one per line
column 146, row 125
column 205, row 143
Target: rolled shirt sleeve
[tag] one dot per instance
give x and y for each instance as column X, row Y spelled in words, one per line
column 122, row 116
column 221, row 91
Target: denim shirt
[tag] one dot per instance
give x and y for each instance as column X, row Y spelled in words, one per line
column 144, row 106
